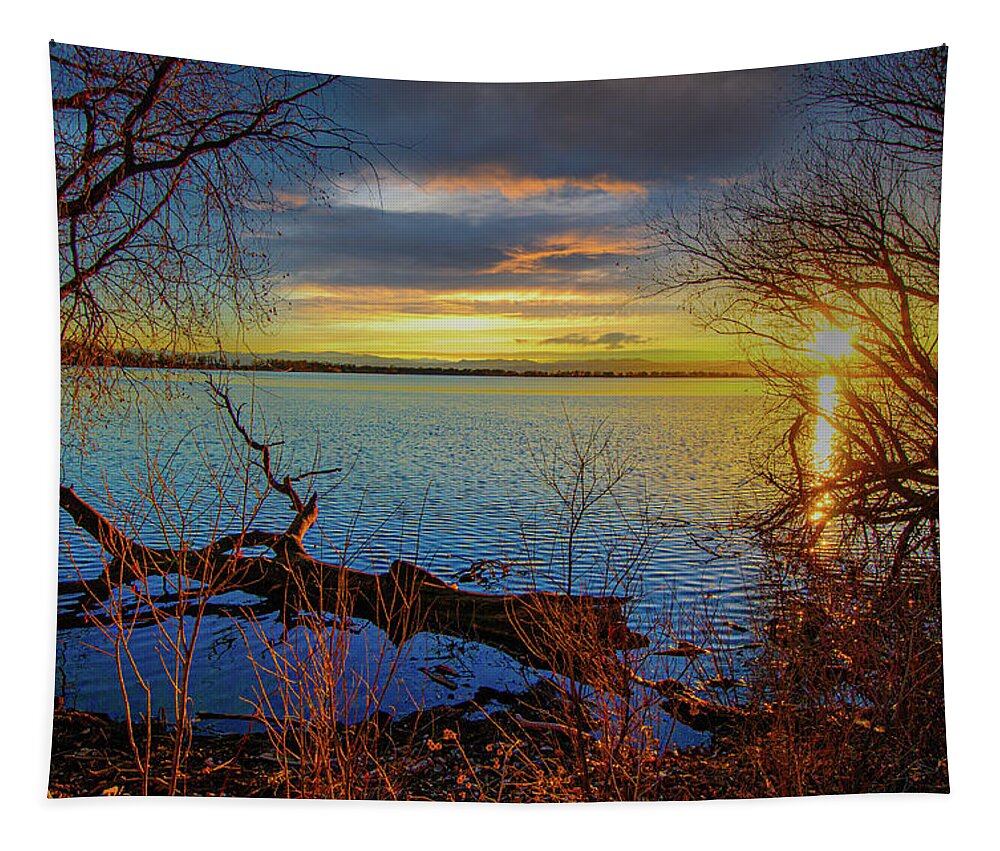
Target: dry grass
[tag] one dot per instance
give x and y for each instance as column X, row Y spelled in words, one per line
column 324, row 719
column 849, row 687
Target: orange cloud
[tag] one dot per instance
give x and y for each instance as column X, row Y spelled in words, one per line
column 282, row 200
column 292, row 200
column 522, row 260
column 518, row 187
column 316, row 301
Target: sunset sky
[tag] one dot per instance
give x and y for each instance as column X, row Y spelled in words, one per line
column 509, row 221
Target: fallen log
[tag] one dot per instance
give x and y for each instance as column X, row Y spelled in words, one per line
column 578, row 636
column 403, row 601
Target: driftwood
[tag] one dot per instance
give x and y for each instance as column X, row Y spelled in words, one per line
column 574, row 635
column 406, row 599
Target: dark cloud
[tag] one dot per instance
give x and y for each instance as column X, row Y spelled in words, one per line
column 583, row 261
column 351, row 245
column 358, row 245
column 611, row 340
column 654, row 128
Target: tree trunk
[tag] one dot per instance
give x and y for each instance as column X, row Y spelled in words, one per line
column 578, row 636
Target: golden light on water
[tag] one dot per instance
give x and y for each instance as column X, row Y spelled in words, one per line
column 826, row 404
column 820, row 509
column 827, row 398
column 830, row 345
column 827, row 385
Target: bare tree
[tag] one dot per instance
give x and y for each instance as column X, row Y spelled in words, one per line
column 166, row 170
column 828, row 265
column 580, row 477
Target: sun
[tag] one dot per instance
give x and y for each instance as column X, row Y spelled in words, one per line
column 831, row 343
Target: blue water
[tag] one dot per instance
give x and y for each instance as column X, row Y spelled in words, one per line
column 446, row 471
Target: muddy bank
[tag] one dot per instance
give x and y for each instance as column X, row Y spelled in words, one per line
column 497, row 747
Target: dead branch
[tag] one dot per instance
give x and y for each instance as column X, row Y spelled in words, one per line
column 305, row 512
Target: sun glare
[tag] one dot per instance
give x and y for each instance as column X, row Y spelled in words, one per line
column 831, row 343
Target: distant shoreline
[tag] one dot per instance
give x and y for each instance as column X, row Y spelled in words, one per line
column 319, row 367
column 203, row 362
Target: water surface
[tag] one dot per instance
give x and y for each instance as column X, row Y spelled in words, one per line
column 447, row 471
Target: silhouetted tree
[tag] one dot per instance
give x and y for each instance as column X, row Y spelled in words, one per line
column 166, row 169
column 839, row 246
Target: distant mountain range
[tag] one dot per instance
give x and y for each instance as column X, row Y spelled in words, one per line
column 616, row 365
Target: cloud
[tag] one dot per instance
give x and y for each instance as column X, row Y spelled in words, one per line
column 343, row 245
column 611, row 340
column 349, row 245
column 513, row 187
column 373, row 301
column 630, row 130
column 560, row 247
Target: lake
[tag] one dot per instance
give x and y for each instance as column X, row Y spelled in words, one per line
column 448, row 471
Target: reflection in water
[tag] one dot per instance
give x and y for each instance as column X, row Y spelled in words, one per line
column 826, row 386
column 831, row 345
column 826, row 403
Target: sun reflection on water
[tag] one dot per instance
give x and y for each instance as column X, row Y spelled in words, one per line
column 826, row 403
column 827, row 398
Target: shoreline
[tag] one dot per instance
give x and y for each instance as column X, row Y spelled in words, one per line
column 498, row 747
column 321, row 367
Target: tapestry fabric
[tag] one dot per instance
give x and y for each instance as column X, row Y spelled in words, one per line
column 534, row 442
